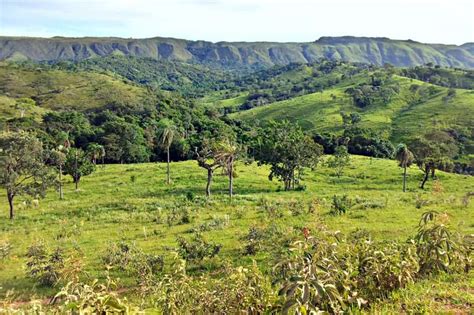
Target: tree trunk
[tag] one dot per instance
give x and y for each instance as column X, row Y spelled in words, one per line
column 231, row 178
column 168, row 166
column 10, row 203
column 77, row 184
column 60, row 183
column 433, row 173
column 209, row 181
column 425, row 178
column 405, row 179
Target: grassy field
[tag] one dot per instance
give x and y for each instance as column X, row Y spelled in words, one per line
column 132, row 203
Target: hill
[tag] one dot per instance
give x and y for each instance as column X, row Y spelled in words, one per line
column 416, row 108
column 378, row 51
column 66, row 90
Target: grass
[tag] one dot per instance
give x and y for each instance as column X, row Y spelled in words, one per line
column 111, row 206
column 66, row 90
column 400, row 120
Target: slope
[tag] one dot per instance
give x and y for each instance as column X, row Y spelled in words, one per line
column 378, row 51
column 60, row 90
column 406, row 115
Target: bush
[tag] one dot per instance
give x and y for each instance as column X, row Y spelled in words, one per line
column 94, row 298
column 197, row 248
column 253, row 240
column 43, row 265
column 438, row 248
column 296, row 207
column 325, row 273
column 5, row 249
column 130, row 258
column 340, row 204
column 217, row 223
column 271, row 208
column 178, row 215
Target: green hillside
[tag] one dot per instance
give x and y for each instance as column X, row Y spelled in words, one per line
column 60, row 90
column 376, row 50
column 403, row 117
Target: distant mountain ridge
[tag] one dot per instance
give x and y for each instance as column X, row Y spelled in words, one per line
column 378, row 51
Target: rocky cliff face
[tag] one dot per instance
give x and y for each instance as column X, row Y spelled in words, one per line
column 357, row 49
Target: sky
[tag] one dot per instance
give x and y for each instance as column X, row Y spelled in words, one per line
column 429, row 21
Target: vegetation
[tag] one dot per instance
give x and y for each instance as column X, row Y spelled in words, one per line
column 288, row 151
column 23, row 171
column 132, row 240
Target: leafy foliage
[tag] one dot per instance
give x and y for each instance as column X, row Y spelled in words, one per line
column 288, row 151
column 197, row 248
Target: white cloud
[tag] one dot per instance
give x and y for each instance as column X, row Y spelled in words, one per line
column 232, row 20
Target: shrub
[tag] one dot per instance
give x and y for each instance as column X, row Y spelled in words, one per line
column 5, row 249
column 197, row 248
column 178, row 215
column 421, row 202
column 233, row 291
column 94, row 298
column 217, row 223
column 439, row 249
column 314, row 205
column 43, row 265
column 253, row 240
column 296, row 207
column 271, row 208
column 340, row 204
column 130, row 258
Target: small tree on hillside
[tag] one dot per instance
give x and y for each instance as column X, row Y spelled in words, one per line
column 287, row 150
column 167, row 131
column 226, row 153
column 77, row 165
column 405, row 158
column 340, row 160
column 23, row 171
column 58, row 159
column 24, row 105
column 206, row 158
column 433, row 151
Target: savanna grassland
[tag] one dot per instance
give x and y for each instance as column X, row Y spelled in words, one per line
column 132, row 203
column 306, row 212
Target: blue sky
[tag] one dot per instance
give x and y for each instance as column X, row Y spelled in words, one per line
column 433, row 21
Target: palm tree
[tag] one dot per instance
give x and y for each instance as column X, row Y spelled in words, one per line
column 226, row 155
column 405, row 158
column 96, row 151
column 166, row 132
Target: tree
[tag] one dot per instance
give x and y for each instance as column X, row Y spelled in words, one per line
column 24, row 104
column 166, row 133
column 23, row 171
column 96, row 151
column 77, row 165
column 339, row 160
column 58, row 159
column 206, row 158
column 405, row 158
column 226, row 153
column 435, row 150
column 287, row 150
column 123, row 141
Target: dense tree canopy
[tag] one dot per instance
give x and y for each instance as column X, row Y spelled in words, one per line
column 287, row 150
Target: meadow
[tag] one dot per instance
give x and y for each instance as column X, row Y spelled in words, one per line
column 132, row 203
